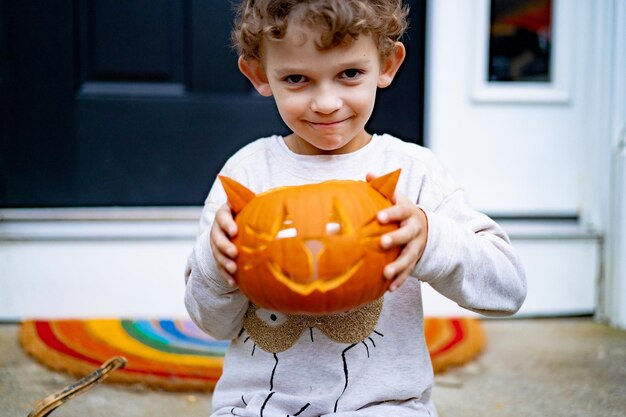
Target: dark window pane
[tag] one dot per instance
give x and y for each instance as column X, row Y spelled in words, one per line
column 520, row 40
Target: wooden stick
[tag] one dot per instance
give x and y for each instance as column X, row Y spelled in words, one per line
column 51, row 402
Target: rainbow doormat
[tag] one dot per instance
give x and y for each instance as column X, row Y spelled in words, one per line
column 176, row 355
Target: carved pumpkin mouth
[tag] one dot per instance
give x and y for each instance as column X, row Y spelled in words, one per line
column 318, row 284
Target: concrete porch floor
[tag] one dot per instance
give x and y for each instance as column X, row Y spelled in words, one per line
column 532, row 367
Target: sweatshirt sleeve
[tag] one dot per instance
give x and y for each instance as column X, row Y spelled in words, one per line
column 214, row 306
column 468, row 257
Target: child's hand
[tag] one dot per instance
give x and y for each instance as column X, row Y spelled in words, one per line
column 411, row 235
column 223, row 230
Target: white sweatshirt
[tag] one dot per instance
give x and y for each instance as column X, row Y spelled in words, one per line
column 468, row 258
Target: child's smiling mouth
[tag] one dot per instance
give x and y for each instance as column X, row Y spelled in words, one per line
column 327, row 124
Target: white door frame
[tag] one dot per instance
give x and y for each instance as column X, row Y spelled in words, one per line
column 613, row 289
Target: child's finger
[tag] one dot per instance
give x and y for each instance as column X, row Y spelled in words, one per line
column 226, row 266
column 401, row 236
column 398, row 212
column 395, row 268
column 405, row 262
column 227, row 277
column 399, row 271
column 225, row 220
column 370, row 176
column 397, row 283
column 222, row 243
column 393, row 214
column 224, row 261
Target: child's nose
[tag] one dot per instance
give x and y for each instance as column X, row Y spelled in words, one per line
column 326, row 101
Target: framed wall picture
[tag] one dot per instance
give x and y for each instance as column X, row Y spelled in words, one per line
column 524, row 50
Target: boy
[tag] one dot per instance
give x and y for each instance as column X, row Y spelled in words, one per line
column 322, row 61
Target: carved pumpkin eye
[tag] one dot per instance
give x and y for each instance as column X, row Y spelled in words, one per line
column 339, row 222
column 260, row 242
column 258, row 233
column 333, row 228
column 287, row 233
column 287, row 228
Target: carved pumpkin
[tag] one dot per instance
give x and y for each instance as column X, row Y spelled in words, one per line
column 312, row 249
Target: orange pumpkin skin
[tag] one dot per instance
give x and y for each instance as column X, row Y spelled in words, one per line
column 312, row 249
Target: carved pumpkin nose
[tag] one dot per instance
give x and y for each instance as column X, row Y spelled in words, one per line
column 314, row 246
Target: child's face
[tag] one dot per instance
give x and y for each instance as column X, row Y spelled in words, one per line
column 324, row 96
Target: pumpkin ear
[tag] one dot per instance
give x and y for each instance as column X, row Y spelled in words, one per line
column 238, row 195
column 386, row 184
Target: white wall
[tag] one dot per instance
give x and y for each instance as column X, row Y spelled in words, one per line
column 132, row 268
column 95, row 267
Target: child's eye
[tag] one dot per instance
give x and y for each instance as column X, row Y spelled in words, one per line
column 351, row 73
column 295, row 79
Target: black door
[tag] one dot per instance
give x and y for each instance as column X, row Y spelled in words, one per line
column 139, row 102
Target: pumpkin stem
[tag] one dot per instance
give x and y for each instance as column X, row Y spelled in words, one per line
column 386, row 184
column 238, row 195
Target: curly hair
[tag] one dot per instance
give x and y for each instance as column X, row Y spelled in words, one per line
column 385, row 20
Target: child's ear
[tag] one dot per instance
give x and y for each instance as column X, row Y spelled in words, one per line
column 391, row 65
column 253, row 70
